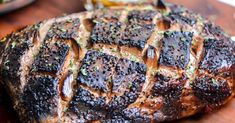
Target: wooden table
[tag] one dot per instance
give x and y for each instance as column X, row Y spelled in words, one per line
column 40, row 10
column 222, row 14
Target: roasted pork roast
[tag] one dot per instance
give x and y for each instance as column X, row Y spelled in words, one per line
column 135, row 64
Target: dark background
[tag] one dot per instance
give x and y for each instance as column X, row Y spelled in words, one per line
column 221, row 14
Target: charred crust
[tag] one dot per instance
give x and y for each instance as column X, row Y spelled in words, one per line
column 11, row 65
column 119, row 103
column 176, row 49
column 50, row 57
column 170, row 111
column 119, row 73
column 2, row 47
column 136, row 115
column 64, row 30
column 141, row 16
column 98, row 104
column 115, row 120
column 84, row 113
column 131, row 76
column 218, row 54
column 213, row 30
column 18, row 46
column 85, row 97
column 168, row 87
column 110, row 70
column 111, row 15
column 171, row 90
column 136, row 35
column 40, row 97
column 179, row 18
column 95, row 75
column 108, row 33
column 86, row 106
column 126, row 69
column 210, row 90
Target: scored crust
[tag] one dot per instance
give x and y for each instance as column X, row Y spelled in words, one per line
column 142, row 63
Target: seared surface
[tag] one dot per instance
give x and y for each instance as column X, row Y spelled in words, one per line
column 40, row 96
column 141, row 64
column 50, row 57
column 175, row 49
column 218, row 54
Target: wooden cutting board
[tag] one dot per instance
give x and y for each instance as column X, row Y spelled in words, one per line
column 222, row 14
column 14, row 5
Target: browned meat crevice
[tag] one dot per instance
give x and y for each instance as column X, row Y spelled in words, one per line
column 150, row 57
column 89, row 24
column 160, row 4
column 164, row 24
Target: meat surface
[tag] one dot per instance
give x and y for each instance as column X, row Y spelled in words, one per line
column 144, row 63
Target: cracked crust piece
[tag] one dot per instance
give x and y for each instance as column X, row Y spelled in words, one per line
column 144, row 63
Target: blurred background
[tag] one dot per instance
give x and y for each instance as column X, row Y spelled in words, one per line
column 222, row 13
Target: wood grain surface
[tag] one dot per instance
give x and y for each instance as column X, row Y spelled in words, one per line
column 221, row 14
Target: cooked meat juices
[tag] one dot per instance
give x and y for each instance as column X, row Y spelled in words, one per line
column 142, row 63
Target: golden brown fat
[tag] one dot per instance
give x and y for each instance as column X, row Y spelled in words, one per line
column 93, row 4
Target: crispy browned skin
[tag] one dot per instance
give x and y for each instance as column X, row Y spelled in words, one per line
column 141, row 64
